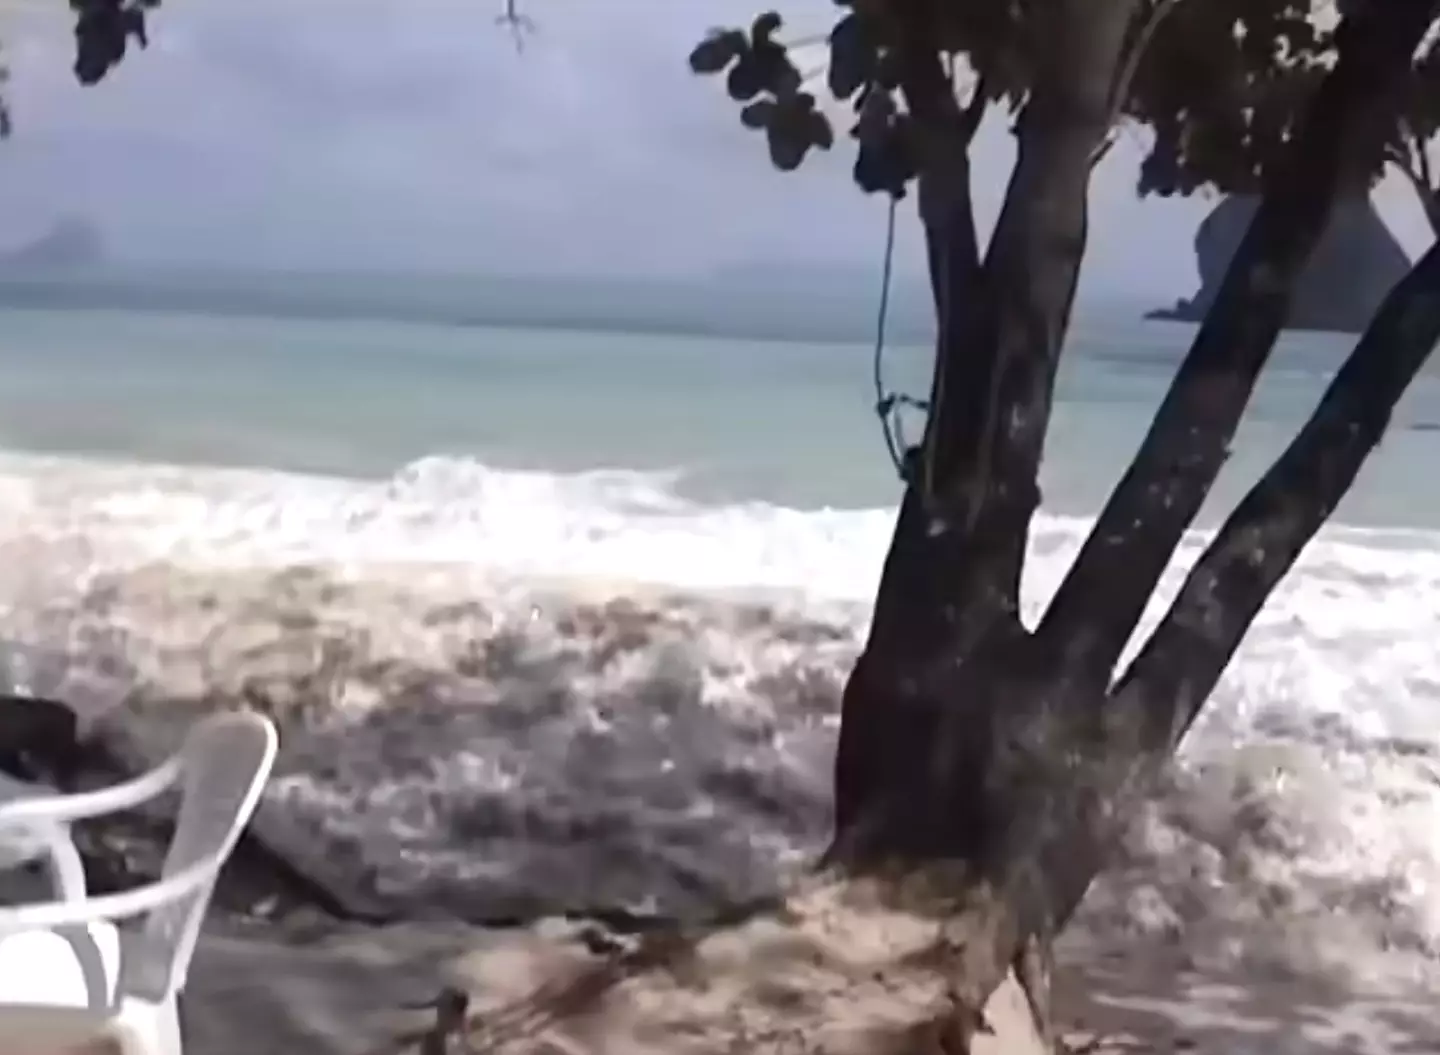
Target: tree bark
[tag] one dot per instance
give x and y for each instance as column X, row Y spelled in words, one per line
column 1169, row 679
column 1157, row 499
column 950, row 585
column 966, row 738
column 938, row 757
column 1162, row 692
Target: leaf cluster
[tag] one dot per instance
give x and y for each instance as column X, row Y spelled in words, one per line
column 103, row 31
column 760, row 73
column 1220, row 84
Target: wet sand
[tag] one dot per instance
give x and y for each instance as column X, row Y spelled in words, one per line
column 826, row 979
column 538, row 990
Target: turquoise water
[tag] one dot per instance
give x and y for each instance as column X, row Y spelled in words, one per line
column 191, row 502
column 783, row 422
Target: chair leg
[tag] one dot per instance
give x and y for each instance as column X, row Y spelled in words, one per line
column 148, row 1029
column 67, row 869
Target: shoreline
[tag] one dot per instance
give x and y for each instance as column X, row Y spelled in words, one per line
column 443, row 754
column 482, row 745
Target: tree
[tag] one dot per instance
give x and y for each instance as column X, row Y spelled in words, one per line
column 1018, row 752
column 1002, row 757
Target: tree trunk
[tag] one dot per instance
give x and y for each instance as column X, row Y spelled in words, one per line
column 965, row 737
column 938, row 756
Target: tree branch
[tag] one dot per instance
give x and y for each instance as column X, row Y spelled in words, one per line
column 983, row 374
column 1162, row 692
column 1408, row 156
column 946, row 208
column 1141, row 525
column 984, row 444
column 6, row 125
column 1120, row 89
column 1422, row 162
column 923, row 574
column 975, row 108
column 1425, row 186
column 1177, row 668
column 1425, row 192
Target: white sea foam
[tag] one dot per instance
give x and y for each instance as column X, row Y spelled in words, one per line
column 493, row 681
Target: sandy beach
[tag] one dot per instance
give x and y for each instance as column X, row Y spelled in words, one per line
column 830, row 978
column 539, row 990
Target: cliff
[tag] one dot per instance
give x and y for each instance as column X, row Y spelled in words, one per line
column 1354, row 266
column 69, row 244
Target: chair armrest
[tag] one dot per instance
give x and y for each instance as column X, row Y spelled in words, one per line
column 184, row 883
column 67, row 868
column 64, row 808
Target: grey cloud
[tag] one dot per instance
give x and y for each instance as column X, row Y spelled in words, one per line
column 400, row 133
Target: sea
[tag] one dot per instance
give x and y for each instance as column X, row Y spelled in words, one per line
column 683, row 483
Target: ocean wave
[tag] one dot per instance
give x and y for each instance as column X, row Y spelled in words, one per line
column 504, row 693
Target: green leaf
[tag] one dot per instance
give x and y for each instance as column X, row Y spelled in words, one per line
column 132, row 22
column 746, row 80
column 868, row 170
column 719, row 48
column 851, row 58
column 758, row 114
column 787, row 148
column 877, row 112
column 821, row 134
column 778, row 73
column 764, row 28
column 886, row 163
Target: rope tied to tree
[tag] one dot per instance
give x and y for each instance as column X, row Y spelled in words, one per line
column 889, row 403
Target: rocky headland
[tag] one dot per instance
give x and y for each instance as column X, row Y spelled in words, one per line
column 1356, row 263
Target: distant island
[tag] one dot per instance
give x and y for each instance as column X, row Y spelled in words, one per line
column 70, row 244
column 1356, row 263
column 55, row 274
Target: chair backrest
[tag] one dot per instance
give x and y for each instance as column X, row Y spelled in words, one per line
column 225, row 762
column 19, row 844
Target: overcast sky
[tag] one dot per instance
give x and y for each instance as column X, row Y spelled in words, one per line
column 400, row 134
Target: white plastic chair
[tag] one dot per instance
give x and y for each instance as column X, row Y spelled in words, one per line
column 68, row 975
column 42, row 839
